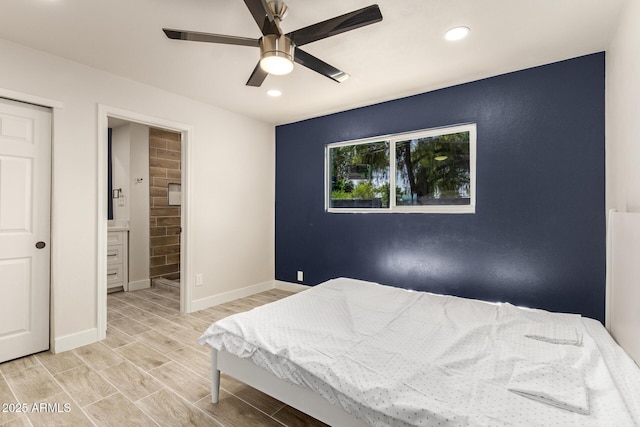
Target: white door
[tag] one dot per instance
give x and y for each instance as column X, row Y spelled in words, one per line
column 25, row 176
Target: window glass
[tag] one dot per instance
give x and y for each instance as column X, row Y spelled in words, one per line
column 429, row 171
column 433, row 170
column 359, row 175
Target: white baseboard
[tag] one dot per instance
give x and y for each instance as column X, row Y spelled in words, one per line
column 139, row 284
column 288, row 286
column 71, row 341
column 90, row 336
column 207, row 302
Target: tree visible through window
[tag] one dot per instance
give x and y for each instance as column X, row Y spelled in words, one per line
column 426, row 171
column 433, row 170
column 360, row 175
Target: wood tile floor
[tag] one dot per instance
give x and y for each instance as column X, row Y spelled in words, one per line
column 149, row 371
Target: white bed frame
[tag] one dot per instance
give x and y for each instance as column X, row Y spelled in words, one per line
column 622, row 322
column 293, row 395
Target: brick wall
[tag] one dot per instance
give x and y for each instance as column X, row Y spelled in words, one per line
column 164, row 168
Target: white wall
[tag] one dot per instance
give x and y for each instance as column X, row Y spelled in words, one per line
column 120, row 170
column 623, row 113
column 139, row 206
column 232, row 158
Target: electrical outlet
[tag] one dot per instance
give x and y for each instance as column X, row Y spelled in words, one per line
column 300, row 276
column 199, row 279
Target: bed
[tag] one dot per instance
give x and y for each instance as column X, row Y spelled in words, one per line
column 354, row 353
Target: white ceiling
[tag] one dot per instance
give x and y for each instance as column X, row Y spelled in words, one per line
column 405, row 54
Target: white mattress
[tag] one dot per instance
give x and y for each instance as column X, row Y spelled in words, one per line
column 393, row 357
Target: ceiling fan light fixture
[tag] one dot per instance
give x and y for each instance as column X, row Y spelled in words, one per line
column 276, row 54
column 274, row 64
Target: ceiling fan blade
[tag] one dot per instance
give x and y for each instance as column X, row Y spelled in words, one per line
column 257, row 76
column 319, row 66
column 337, row 25
column 263, row 16
column 210, row 38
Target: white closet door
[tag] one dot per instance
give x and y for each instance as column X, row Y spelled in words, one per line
column 25, row 189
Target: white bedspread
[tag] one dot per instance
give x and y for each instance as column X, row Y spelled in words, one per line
column 393, row 357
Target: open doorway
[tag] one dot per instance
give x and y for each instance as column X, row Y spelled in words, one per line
column 144, row 192
column 143, row 207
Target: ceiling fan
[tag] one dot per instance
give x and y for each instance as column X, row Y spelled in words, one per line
column 278, row 51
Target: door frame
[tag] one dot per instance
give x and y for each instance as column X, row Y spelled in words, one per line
column 104, row 112
column 55, row 107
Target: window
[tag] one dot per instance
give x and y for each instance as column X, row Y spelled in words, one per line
column 359, row 175
column 425, row 171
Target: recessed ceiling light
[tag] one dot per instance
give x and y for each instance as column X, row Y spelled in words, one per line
column 456, row 33
column 274, row 92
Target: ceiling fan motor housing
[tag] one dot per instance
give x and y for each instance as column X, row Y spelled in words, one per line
column 273, row 46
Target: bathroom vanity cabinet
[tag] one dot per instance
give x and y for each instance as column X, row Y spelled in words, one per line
column 117, row 260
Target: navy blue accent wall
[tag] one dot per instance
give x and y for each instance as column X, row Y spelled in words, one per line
column 538, row 235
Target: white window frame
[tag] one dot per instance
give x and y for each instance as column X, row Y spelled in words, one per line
column 393, row 139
